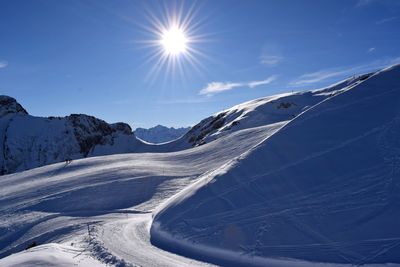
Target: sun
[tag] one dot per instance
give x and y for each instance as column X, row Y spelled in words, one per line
column 174, row 41
column 175, row 36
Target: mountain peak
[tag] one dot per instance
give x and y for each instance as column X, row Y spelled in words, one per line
column 10, row 105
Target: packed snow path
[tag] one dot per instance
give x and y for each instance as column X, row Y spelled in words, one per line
column 128, row 239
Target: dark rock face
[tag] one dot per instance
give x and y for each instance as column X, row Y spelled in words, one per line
column 10, row 105
column 122, row 127
column 28, row 142
column 90, row 131
column 197, row 134
column 285, row 105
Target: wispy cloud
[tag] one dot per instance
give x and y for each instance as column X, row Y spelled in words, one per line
column 3, row 64
column 364, row 3
column 218, row 87
column 262, row 82
column 385, row 20
column 372, row 49
column 323, row 75
column 187, row 101
column 271, row 54
column 270, row 60
column 318, row 76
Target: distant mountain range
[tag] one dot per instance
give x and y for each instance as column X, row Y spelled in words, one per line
column 160, row 133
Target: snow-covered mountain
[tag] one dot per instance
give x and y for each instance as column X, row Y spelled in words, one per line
column 298, row 179
column 263, row 111
column 160, row 134
column 324, row 188
column 28, row 141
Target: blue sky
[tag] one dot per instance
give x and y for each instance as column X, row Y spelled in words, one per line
column 62, row 57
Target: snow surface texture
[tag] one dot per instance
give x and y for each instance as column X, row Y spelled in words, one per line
column 51, row 255
column 302, row 179
column 160, row 134
column 324, row 188
column 56, row 202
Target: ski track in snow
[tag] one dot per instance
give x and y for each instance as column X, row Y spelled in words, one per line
column 354, row 196
column 49, row 204
column 129, row 239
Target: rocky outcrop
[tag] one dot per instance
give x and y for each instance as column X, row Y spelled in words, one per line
column 10, row 105
column 28, row 141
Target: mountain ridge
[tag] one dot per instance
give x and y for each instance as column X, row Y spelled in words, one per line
column 321, row 189
column 27, row 145
column 160, row 134
column 29, row 141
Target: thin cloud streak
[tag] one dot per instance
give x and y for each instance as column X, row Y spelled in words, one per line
column 3, row 64
column 187, row 101
column 385, row 20
column 270, row 60
column 365, row 3
column 362, row 3
column 262, row 82
column 322, row 75
column 316, row 77
column 218, row 87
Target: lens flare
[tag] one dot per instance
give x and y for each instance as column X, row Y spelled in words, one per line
column 175, row 41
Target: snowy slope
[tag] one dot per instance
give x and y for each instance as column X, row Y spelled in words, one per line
column 28, row 141
column 267, row 110
column 113, row 194
column 324, row 188
column 160, row 134
column 298, row 180
column 51, row 255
